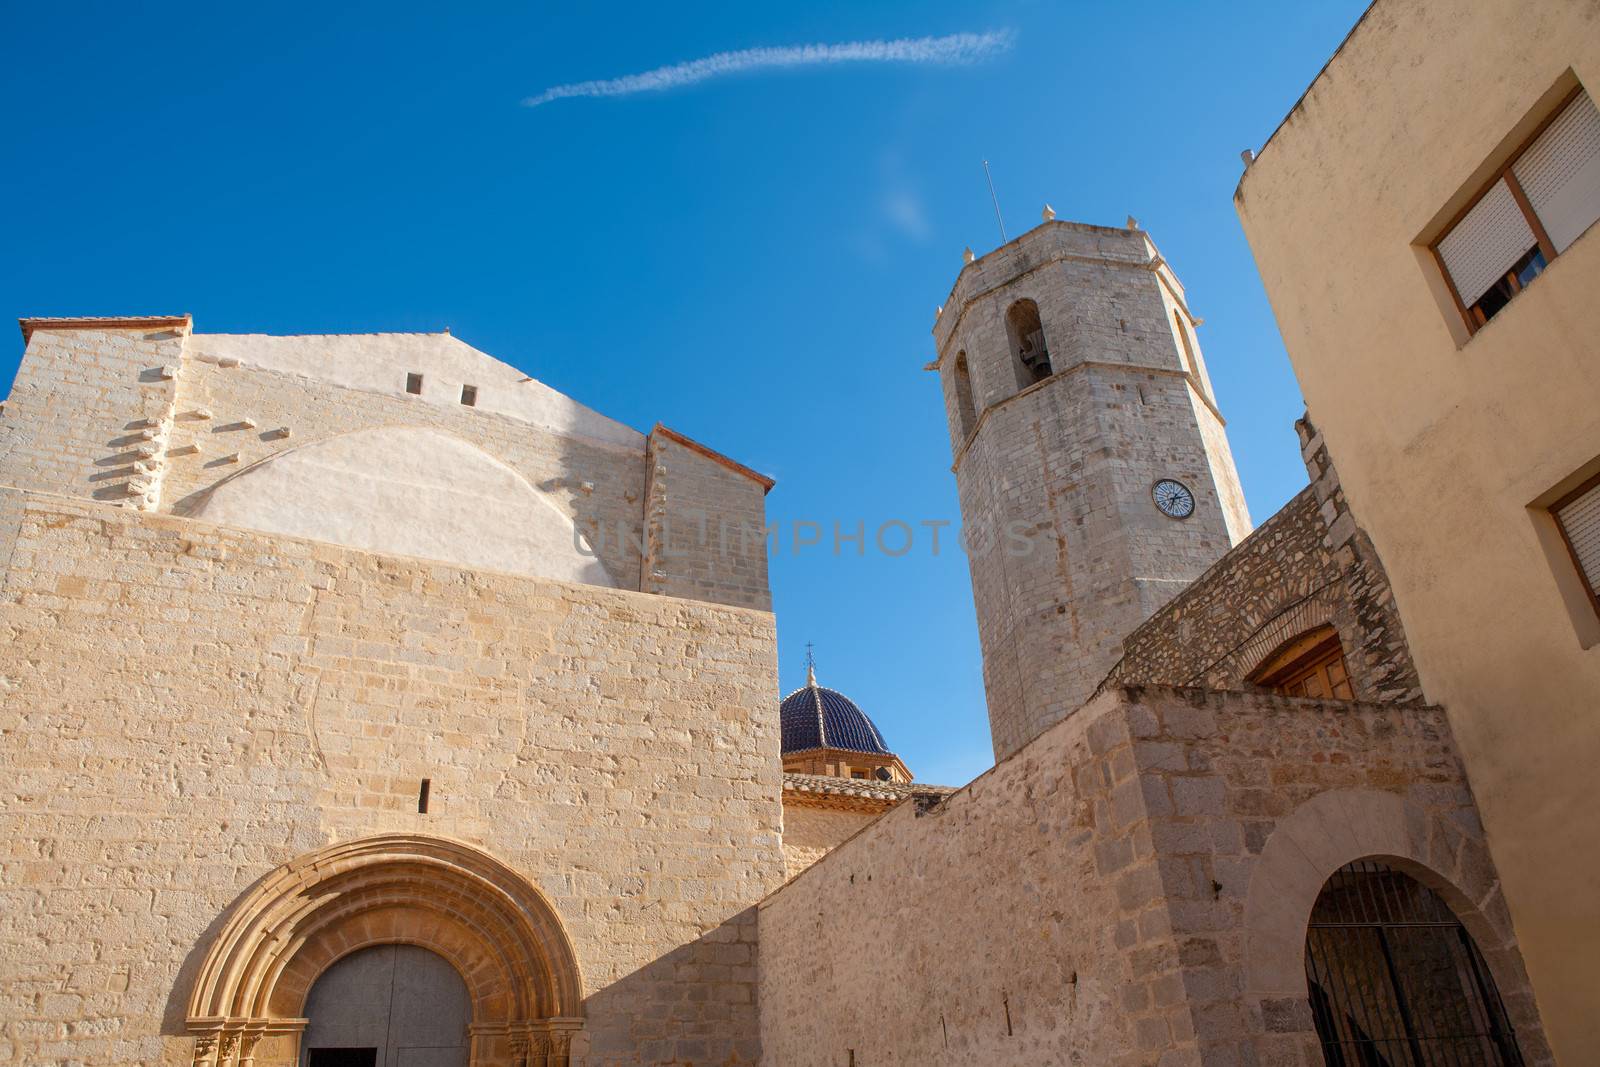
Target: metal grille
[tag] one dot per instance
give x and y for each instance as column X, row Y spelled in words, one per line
column 1395, row 979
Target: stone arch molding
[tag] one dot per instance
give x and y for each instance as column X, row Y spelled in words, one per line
column 408, row 491
column 1339, row 827
column 1287, row 626
column 247, row 1005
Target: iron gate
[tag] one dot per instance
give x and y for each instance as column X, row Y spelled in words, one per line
column 1395, row 979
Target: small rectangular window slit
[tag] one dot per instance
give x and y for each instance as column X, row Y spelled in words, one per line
column 422, row 796
column 469, row 395
column 414, row 384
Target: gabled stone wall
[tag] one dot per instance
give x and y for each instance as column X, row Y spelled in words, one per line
column 145, row 413
column 705, row 524
column 230, row 417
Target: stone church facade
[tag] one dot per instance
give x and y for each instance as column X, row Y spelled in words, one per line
column 220, row 733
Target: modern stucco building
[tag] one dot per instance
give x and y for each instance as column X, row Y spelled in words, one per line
column 1423, row 221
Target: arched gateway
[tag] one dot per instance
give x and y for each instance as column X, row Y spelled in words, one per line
column 524, row 994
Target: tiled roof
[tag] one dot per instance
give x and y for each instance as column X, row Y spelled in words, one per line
column 860, row 788
column 814, row 716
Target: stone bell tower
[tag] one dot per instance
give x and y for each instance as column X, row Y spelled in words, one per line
column 1092, row 465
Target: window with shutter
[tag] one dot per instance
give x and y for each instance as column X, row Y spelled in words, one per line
column 1541, row 201
column 1560, row 172
column 1486, row 243
column 1578, row 517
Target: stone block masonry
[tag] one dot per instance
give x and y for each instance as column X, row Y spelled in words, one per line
column 705, row 524
column 1066, row 465
column 91, row 410
column 1131, row 888
column 187, row 707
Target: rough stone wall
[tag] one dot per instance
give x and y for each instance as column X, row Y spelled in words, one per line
column 90, row 412
column 1057, row 477
column 1309, row 565
column 810, row 831
column 705, row 536
column 185, row 707
column 1119, row 892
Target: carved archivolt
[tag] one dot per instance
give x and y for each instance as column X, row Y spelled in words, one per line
column 496, row 929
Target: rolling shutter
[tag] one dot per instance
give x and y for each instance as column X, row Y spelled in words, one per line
column 1560, row 172
column 1580, row 521
column 1486, row 243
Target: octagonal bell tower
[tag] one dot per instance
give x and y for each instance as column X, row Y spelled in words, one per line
column 1092, row 465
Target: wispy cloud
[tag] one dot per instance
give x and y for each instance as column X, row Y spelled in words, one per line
column 901, row 200
column 903, row 206
column 956, row 48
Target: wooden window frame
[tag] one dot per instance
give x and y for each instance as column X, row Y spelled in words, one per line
column 1572, row 553
column 1547, row 247
column 1295, row 658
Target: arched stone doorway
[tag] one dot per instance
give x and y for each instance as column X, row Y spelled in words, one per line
column 1394, row 978
column 388, row 1006
column 1323, row 836
column 499, row 934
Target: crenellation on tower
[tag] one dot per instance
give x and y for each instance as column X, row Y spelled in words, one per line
column 1079, row 409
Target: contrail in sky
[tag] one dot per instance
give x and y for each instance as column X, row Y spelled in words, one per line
column 956, row 48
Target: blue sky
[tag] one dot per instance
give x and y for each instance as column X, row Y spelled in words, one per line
column 753, row 259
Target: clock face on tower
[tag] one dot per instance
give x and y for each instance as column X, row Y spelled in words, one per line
column 1173, row 498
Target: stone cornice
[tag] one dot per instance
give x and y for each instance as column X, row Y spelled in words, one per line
column 107, row 322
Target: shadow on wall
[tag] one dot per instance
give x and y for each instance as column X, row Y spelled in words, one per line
column 115, row 470
column 175, row 1012
column 606, row 503
column 696, row 1004
column 406, row 491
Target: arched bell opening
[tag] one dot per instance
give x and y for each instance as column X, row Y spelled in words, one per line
column 1029, row 352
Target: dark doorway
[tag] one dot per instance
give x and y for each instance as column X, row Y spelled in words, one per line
column 1396, row 980
column 388, row 1006
column 343, row 1057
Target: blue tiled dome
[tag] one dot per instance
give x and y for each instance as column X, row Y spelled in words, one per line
column 814, row 716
